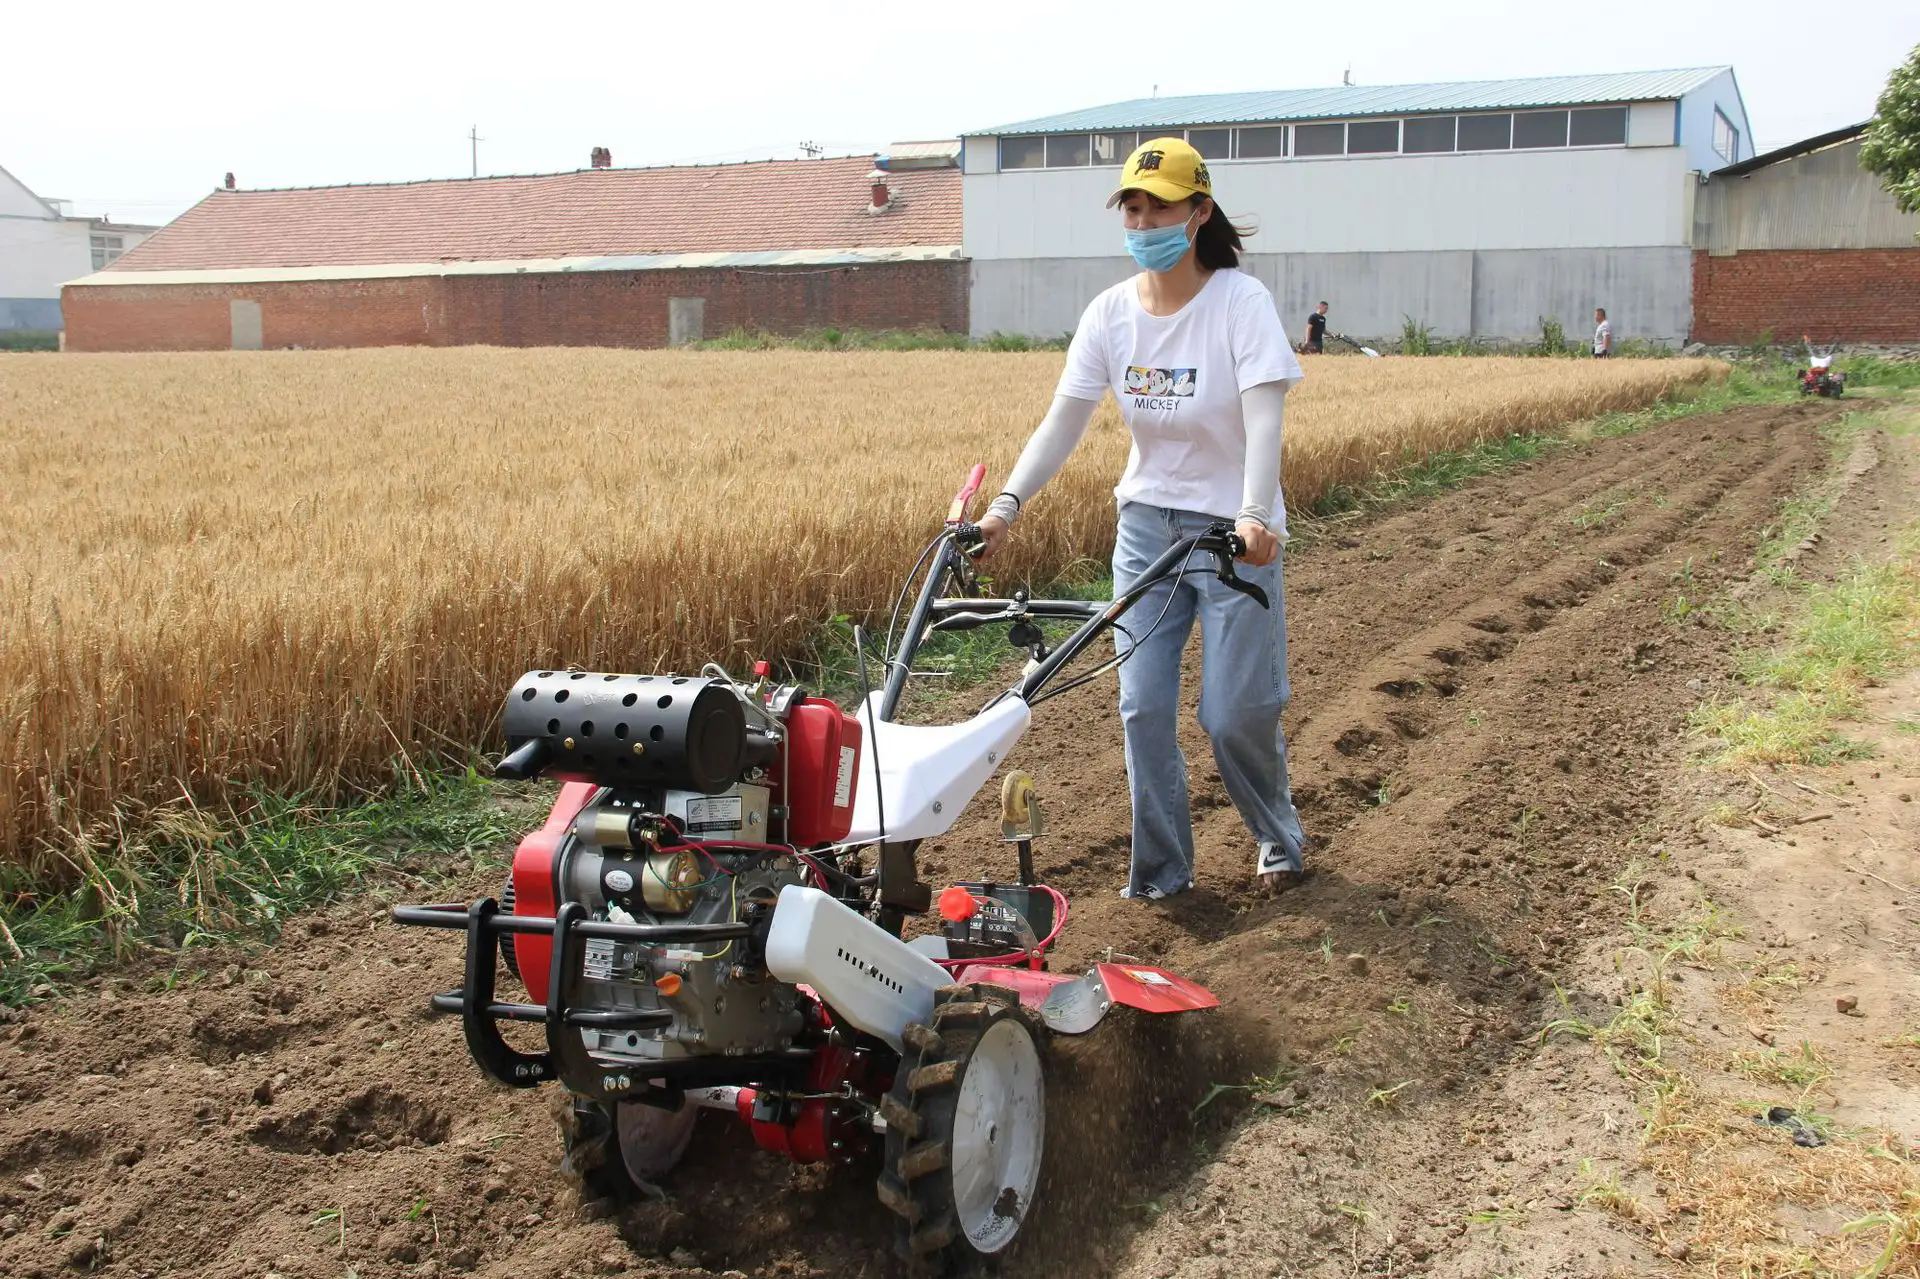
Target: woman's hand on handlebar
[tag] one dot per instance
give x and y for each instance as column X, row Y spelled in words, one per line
column 1262, row 546
column 994, row 532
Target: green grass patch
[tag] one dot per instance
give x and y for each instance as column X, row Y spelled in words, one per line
column 1859, row 630
column 188, row 878
column 1871, row 370
column 14, row 341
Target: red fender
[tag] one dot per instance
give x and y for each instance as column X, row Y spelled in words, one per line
column 535, row 884
column 1075, row 1005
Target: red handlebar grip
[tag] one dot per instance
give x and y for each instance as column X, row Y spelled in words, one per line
column 964, row 498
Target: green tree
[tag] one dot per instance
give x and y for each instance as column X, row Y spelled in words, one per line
column 1892, row 147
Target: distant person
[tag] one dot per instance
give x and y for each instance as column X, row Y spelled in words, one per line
column 1602, row 335
column 1316, row 331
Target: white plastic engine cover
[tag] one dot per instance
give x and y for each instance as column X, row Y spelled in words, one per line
column 864, row 973
column 927, row 775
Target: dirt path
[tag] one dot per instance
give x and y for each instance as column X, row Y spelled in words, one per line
column 1487, row 691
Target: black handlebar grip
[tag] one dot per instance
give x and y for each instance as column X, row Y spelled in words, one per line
column 968, row 534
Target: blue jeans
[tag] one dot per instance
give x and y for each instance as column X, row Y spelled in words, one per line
column 1243, row 690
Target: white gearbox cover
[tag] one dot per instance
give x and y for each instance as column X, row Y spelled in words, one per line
column 864, row 973
column 927, row 775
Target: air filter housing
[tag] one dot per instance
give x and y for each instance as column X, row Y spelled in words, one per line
column 669, row 732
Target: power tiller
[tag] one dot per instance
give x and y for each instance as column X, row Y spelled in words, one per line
column 712, row 915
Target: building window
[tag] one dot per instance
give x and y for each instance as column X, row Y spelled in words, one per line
column 1429, row 133
column 1068, row 151
column 1599, row 127
column 1414, row 135
column 1320, row 139
column 1373, row 137
column 1261, row 144
column 106, row 248
column 1486, row 132
column 1212, row 144
column 1023, row 153
column 1726, row 138
column 1540, row 129
column 1114, row 148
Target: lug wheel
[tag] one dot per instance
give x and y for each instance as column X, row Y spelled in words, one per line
column 966, row 1125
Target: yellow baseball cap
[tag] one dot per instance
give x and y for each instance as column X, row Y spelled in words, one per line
column 1166, row 169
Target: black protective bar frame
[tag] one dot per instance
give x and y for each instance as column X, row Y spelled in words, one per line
column 566, row 1056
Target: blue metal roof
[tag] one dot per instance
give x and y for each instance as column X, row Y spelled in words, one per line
column 1345, row 101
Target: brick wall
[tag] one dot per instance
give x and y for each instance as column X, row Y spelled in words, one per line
column 309, row 313
column 1832, row 295
column 596, row 308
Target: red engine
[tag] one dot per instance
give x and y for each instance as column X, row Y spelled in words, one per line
column 813, row 776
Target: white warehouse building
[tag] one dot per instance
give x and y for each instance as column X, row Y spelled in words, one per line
column 1475, row 208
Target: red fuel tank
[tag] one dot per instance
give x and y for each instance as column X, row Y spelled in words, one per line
column 823, row 772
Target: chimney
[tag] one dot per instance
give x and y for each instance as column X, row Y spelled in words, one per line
column 229, row 182
column 602, row 158
column 882, row 197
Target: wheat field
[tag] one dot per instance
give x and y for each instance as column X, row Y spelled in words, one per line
column 290, row 569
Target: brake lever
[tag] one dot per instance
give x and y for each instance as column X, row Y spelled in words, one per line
column 1223, row 569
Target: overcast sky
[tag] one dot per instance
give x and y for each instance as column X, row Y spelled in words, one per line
column 137, row 110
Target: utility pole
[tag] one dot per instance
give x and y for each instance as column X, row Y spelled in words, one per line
column 473, row 136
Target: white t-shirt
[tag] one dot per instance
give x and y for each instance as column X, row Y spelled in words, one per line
column 1178, row 379
column 1602, row 336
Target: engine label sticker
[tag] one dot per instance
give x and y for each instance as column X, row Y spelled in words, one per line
column 713, row 814
column 843, row 784
column 1148, row 978
column 599, row 958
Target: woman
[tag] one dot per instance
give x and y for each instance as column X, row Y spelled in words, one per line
column 1193, row 323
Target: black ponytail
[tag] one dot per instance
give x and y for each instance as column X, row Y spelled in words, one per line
column 1217, row 244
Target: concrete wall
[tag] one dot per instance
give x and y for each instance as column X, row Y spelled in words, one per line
column 1487, row 294
column 1614, row 197
column 1696, row 123
column 597, row 308
column 1820, row 201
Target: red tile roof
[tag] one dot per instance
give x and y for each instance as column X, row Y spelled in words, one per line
column 770, row 205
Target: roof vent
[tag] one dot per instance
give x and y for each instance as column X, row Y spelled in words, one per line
column 602, row 158
column 882, row 197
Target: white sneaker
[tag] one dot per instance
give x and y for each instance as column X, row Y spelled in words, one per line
column 1272, row 858
column 1152, row 893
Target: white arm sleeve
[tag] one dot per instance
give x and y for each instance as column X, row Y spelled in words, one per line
column 1262, row 408
column 1051, row 444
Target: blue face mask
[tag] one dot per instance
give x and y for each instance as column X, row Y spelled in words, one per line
column 1159, row 248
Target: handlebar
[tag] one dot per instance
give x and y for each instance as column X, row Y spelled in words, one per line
column 964, row 498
